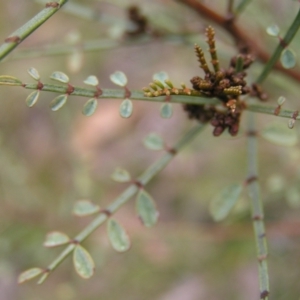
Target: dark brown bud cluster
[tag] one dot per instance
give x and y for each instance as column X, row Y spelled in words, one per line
column 225, row 84
column 223, row 121
column 228, row 85
column 139, row 22
column 200, row 112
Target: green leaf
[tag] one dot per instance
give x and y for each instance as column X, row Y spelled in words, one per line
column 34, row 73
column 120, row 175
column 280, row 134
column 10, row 80
column 288, row 58
column 273, row 30
column 29, row 274
column 58, row 102
column 32, row 98
column 60, row 76
column 126, row 108
column 56, row 238
column 293, row 197
column 146, row 208
column 154, row 142
column 92, row 80
column 90, row 107
column 117, row 236
column 161, row 76
column 166, row 110
column 83, row 262
column 84, row 208
column 281, row 100
column 119, row 78
column 224, row 201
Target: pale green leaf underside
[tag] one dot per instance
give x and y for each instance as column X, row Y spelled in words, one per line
column 83, row 262
column 117, row 236
column 222, row 204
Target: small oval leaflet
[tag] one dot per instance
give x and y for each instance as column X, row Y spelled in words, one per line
column 90, row 107
column 84, row 208
column 34, row 73
column 288, row 58
column 117, row 236
column 166, row 110
column 32, row 98
column 291, row 123
column 29, row 274
column 120, row 175
column 58, row 102
column 126, row 108
column 281, row 100
column 56, row 238
column 154, row 142
column 293, row 197
column 83, row 262
column 223, row 202
column 9, row 80
column 161, row 76
column 60, row 76
column 92, row 80
column 280, row 134
column 273, row 30
column 119, row 78
column 75, row 61
column 146, row 208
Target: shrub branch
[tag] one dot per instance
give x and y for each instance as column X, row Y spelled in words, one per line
column 143, row 179
column 257, row 210
column 14, row 39
column 281, row 46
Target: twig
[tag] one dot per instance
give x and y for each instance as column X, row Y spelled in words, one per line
column 269, row 110
column 195, row 98
column 143, row 179
column 282, row 45
column 257, row 210
column 13, row 40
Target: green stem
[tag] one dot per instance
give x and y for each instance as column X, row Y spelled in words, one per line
column 282, row 45
column 96, row 45
column 269, row 110
column 257, row 210
column 143, row 179
column 20, row 34
column 241, row 6
column 230, row 6
column 195, row 98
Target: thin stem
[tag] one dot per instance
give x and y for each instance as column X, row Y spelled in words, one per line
column 143, row 179
column 241, row 7
column 23, row 32
column 281, row 46
column 269, row 110
column 195, row 98
column 257, row 210
column 96, row 45
column 230, row 7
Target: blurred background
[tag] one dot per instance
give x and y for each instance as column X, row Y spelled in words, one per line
column 49, row 160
